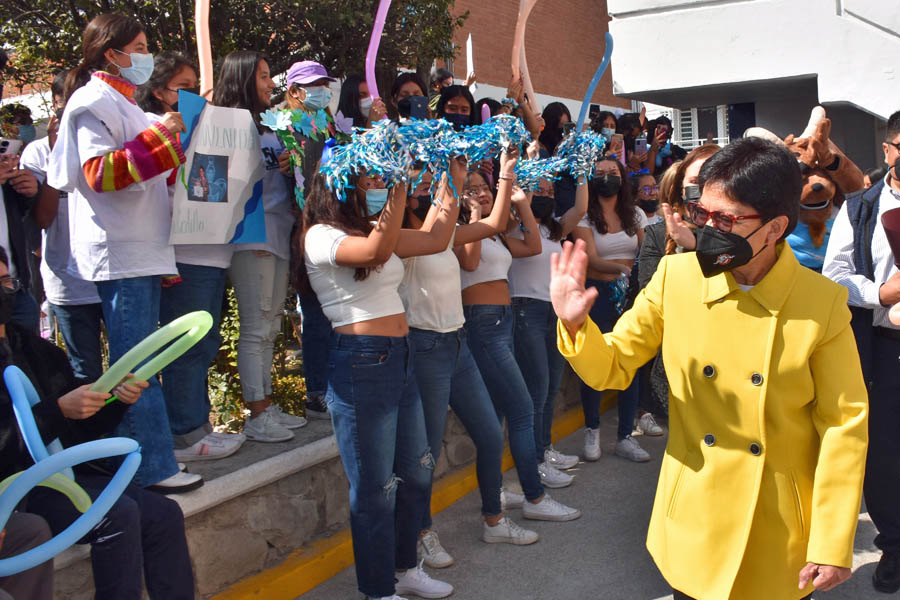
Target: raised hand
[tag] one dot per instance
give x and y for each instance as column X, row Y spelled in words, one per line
column 678, row 229
column 571, row 301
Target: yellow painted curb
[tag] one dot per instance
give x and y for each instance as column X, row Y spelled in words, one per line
column 308, row 567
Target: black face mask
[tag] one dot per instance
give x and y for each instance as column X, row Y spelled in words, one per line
column 718, row 252
column 649, row 206
column 7, row 304
column 542, row 206
column 424, row 205
column 606, row 186
column 458, row 121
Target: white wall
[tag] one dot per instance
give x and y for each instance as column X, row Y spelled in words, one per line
column 849, row 46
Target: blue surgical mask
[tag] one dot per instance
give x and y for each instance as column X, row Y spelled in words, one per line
column 606, row 131
column 27, row 133
column 140, row 70
column 375, row 201
column 317, row 97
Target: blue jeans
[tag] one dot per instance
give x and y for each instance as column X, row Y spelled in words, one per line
column 79, row 325
column 447, row 375
column 489, row 328
column 184, row 380
column 539, row 361
column 316, row 336
column 26, row 312
column 605, row 314
column 380, row 431
column 131, row 313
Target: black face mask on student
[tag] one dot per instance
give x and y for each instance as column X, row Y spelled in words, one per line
column 458, row 121
column 649, row 206
column 7, row 304
column 542, row 206
column 423, row 206
column 606, row 186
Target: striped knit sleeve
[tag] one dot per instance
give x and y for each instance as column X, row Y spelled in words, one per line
column 152, row 152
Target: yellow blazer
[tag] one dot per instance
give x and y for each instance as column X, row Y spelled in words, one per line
column 768, row 412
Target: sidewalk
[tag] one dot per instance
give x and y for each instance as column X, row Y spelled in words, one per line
column 599, row 556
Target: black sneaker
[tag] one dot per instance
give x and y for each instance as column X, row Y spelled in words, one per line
column 887, row 574
column 316, row 409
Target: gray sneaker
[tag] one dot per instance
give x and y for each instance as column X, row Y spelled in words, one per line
column 264, row 428
column 549, row 509
column 552, row 477
column 511, row 499
column 630, row 449
column 508, row 532
column 648, row 426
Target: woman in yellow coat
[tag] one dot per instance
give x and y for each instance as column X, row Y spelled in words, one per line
column 759, row 492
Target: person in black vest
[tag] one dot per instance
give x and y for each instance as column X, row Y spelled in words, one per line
column 859, row 258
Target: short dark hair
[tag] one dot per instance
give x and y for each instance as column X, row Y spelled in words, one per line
column 166, row 65
column 760, row 174
column 893, row 126
column 456, row 91
column 439, row 75
column 58, row 87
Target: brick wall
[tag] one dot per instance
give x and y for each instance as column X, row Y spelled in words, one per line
column 563, row 40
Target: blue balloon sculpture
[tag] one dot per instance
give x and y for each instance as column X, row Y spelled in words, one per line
column 607, row 55
column 47, row 465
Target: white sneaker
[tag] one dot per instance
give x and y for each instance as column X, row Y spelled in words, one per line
column 552, row 477
column 418, row 583
column 508, row 532
column 630, row 449
column 264, row 428
column 430, row 550
column 559, row 460
column 177, row 483
column 385, row 598
column 211, row 447
column 647, row 425
column 549, row 509
column 592, row 444
column 511, row 499
column 284, row 419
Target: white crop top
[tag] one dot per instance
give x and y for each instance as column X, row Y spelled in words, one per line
column 619, row 245
column 345, row 300
column 530, row 277
column 493, row 266
column 431, row 292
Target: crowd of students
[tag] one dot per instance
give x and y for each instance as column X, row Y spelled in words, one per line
column 411, row 301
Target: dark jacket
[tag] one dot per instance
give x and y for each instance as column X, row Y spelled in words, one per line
column 653, row 249
column 17, row 207
column 48, row 369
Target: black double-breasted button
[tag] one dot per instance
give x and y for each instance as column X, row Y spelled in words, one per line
column 755, row 449
column 709, row 439
column 756, row 379
column 709, row 371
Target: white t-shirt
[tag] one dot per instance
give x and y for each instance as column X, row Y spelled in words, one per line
column 118, row 234
column 616, row 246
column 61, row 287
column 431, row 291
column 493, row 266
column 278, row 196
column 530, row 277
column 345, row 300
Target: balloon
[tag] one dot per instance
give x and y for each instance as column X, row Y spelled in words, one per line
column 596, row 79
column 43, row 470
column 525, row 7
column 374, row 41
column 204, row 49
column 191, row 327
column 24, row 396
column 529, row 89
column 61, row 484
column 485, row 113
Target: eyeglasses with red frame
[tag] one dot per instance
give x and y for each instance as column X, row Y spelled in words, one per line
column 722, row 221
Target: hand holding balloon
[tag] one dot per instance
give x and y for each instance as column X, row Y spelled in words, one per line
column 129, row 389
column 82, row 403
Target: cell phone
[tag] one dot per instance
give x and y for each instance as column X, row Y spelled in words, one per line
column 10, row 147
column 413, row 107
column 640, row 145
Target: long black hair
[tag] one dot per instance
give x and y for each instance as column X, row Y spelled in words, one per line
column 348, row 103
column 626, row 209
column 104, row 32
column 236, row 85
column 456, row 91
column 166, row 65
column 552, row 133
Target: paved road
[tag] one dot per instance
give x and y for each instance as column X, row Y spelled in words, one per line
column 599, row 556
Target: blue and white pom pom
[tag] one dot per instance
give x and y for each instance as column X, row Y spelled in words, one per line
column 530, row 172
column 375, row 151
column 486, row 141
column 579, row 152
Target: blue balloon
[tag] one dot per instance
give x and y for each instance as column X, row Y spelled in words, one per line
column 83, row 524
column 593, row 85
column 24, row 396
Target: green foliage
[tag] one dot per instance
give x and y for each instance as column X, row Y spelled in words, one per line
column 46, row 34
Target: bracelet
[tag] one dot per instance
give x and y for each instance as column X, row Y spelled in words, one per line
column 507, row 177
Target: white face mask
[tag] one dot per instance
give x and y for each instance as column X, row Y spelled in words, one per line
column 365, row 106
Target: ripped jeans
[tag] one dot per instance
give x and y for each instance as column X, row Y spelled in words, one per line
column 379, row 426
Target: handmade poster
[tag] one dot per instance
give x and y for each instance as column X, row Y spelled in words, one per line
column 218, row 190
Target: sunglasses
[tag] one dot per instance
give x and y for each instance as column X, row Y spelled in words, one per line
column 722, row 221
